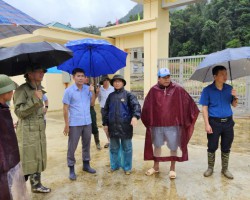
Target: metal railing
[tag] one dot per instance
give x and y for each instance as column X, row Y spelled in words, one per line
column 183, row 67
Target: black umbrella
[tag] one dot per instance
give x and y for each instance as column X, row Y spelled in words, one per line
column 15, row 60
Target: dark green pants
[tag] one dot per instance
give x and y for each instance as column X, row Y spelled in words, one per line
column 93, row 118
column 95, row 131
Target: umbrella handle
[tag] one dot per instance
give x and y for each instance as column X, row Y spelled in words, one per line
column 36, row 85
column 229, row 66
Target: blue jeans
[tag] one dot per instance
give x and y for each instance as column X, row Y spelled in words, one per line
column 120, row 151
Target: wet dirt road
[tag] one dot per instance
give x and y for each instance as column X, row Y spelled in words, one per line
column 190, row 183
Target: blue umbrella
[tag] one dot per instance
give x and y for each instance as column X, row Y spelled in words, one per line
column 236, row 60
column 95, row 57
column 14, row 22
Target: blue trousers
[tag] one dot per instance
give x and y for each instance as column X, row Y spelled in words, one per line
column 121, row 154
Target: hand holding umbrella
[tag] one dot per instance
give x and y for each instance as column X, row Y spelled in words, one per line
column 38, row 94
column 235, row 98
column 91, row 88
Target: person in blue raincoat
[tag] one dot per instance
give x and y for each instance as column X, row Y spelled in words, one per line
column 121, row 112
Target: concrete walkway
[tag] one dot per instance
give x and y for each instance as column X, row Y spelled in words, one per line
column 190, row 183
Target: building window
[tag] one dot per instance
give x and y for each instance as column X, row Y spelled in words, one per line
column 135, row 55
column 142, row 55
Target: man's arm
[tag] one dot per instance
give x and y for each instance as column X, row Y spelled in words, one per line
column 135, row 108
column 66, row 119
column 46, row 106
column 46, row 103
column 205, row 117
column 98, row 93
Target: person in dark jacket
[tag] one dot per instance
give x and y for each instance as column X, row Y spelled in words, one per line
column 12, row 183
column 121, row 112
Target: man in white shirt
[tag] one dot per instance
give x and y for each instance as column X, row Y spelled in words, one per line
column 103, row 93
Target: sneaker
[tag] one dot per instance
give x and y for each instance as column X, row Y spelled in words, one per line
column 40, row 189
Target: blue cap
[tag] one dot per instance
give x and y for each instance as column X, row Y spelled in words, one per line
column 163, row 72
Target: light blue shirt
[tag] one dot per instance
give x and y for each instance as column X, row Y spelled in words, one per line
column 103, row 95
column 45, row 98
column 79, row 103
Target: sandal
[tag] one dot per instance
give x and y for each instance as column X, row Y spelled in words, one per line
column 112, row 170
column 106, row 145
column 172, row 175
column 128, row 172
column 151, row 171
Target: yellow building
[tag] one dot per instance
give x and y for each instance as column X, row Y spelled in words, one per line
column 151, row 33
column 54, row 83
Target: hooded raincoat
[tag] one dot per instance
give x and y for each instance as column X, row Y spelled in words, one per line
column 169, row 106
column 31, row 129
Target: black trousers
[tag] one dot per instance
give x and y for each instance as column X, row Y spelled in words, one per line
column 94, row 121
column 225, row 130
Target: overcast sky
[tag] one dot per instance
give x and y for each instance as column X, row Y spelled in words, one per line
column 79, row 13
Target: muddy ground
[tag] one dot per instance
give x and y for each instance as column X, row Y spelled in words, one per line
column 190, row 183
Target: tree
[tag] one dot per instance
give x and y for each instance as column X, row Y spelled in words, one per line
column 209, row 35
column 203, row 27
column 234, row 43
column 109, row 23
column 92, row 29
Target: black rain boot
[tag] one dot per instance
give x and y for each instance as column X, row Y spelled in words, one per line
column 87, row 168
column 97, row 141
column 72, row 175
column 36, row 185
column 211, row 160
column 224, row 162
